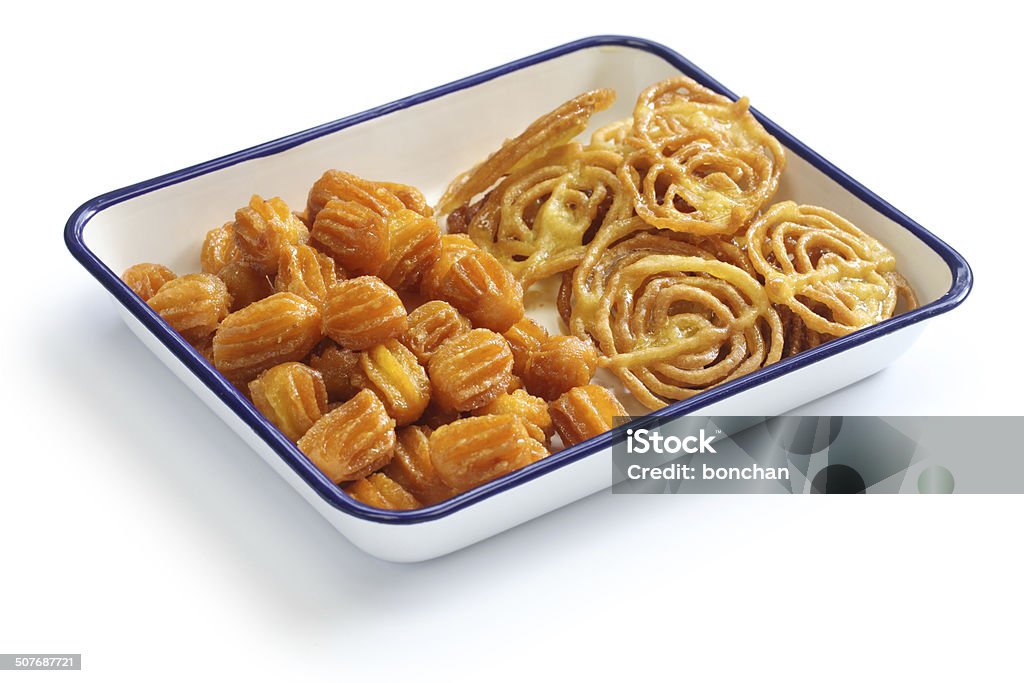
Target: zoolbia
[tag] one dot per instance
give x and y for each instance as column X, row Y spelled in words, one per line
column 646, row 441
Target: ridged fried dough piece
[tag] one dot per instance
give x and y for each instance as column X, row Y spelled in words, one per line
column 453, row 247
column 146, row 279
column 335, row 184
column 533, row 410
column 246, row 283
column 193, row 305
column 391, row 371
column 353, row 440
column 484, row 291
column 339, row 367
column 585, row 412
column 475, row 450
column 524, row 337
column 292, row 396
column 219, row 249
column 411, row 197
column 379, row 491
column 354, row 235
column 469, row 371
column 263, row 229
column 414, row 245
column 556, row 127
column 412, row 468
column 283, row 327
column 305, row 271
column 362, row 312
column 431, row 325
column 558, row 364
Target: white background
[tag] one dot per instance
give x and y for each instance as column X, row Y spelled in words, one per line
column 137, row 530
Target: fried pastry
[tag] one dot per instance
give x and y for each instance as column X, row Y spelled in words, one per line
column 557, row 127
column 480, row 287
column 283, row 327
column 431, row 325
column 263, row 229
column 335, row 184
column 305, row 271
column 219, row 249
column 470, row 370
column 246, row 283
column 453, row 247
column 475, row 450
column 379, row 491
column 339, row 368
column 193, row 305
column 533, row 411
column 290, row 395
column 558, row 364
column 410, row 197
column 353, row 440
column 833, row 275
column 585, row 412
column 415, row 243
column 362, row 312
column 146, row 279
column 539, row 219
column 354, row 235
column 391, row 371
column 412, row 468
column 524, row 338
column 672, row 324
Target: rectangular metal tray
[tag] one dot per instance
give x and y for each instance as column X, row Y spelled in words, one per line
column 411, row 141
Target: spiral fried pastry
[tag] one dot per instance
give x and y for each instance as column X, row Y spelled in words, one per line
column 700, row 163
column 538, row 220
column 672, row 324
column 554, row 128
column 696, row 182
column 834, row 276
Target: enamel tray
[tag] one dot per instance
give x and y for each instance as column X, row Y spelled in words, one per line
column 410, row 141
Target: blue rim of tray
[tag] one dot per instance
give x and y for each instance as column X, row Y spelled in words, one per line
column 962, row 280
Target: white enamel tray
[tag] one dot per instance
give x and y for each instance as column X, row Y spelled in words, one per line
column 410, row 141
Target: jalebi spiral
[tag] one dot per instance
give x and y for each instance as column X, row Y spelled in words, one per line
column 833, row 275
column 671, row 259
column 669, row 317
